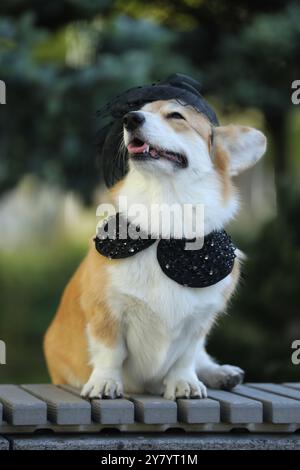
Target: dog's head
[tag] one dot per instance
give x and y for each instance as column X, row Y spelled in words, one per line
column 169, row 137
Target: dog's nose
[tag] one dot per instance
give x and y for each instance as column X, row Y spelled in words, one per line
column 133, row 120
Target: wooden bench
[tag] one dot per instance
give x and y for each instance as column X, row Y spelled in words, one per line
column 26, row 411
column 256, row 407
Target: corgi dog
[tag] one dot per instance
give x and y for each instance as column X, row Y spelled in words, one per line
column 123, row 325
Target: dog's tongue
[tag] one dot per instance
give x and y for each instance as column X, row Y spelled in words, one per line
column 135, row 148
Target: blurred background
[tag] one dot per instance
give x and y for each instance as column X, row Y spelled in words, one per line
column 61, row 60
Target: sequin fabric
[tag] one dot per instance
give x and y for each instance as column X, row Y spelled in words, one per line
column 190, row 268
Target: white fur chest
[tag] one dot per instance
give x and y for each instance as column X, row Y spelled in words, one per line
column 159, row 316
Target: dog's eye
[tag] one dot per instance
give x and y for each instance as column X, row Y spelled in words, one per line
column 174, row 115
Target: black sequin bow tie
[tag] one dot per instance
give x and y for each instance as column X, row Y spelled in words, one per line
column 190, row 268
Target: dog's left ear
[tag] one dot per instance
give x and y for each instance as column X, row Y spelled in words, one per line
column 243, row 146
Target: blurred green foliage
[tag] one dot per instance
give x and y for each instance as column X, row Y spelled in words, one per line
column 264, row 316
column 31, row 285
column 61, row 60
column 52, row 104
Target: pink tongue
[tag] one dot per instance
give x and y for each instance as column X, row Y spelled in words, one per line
column 136, row 148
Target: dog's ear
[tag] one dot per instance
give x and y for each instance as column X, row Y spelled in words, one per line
column 243, row 146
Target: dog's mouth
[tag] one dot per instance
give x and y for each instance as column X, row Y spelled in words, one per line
column 141, row 150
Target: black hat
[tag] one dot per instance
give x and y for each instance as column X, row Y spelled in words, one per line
column 114, row 158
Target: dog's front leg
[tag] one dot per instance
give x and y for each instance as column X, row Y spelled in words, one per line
column 181, row 381
column 106, row 358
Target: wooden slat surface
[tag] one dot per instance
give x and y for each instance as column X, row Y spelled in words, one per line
column 63, row 407
column 277, row 389
column 255, row 406
column 237, row 409
column 154, row 410
column 276, row 409
column 20, row 407
column 295, row 385
column 198, row 411
column 105, row 411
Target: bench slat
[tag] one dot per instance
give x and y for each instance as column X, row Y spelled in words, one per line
column 276, row 409
column 252, row 403
column 154, row 410
column 277, row 389
column 105, row 411
column 198, row 411
column 295, row 385
column 21, row 408
column 237, row 409
column 63, row 407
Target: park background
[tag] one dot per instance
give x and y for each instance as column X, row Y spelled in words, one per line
column 61, row 60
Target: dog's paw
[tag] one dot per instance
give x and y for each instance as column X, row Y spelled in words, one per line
column 224, row 377
column 102, row 387
column 184, row 388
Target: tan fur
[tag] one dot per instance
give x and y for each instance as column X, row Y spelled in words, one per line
column 83, row 303
column 65, row 346
column 221, row 162
column 114, row 191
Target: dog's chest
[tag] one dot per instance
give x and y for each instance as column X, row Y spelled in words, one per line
column 157, row 312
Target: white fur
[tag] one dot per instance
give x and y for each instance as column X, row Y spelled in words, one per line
column 106, row 378
column 244, row 145
column 164, row 324
column 157, row 182
column 161, row 320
